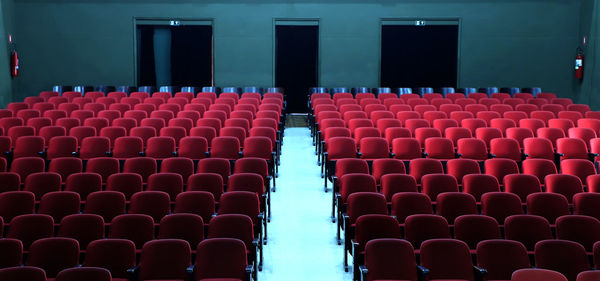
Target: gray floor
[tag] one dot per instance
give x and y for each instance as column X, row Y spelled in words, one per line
column 302, row 243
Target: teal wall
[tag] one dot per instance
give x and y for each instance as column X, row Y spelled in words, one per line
column 588, row 90
column 6, row 27
column 502, row 43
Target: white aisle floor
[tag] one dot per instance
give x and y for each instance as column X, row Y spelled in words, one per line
column 302, row 243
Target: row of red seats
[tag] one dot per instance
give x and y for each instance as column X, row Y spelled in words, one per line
column 155, row 204
column 70, row 95
column 555, row 260
column 389, row 99
column 175, row 127
column 434, row 146
column 144, row 166
column 131, row 146
column 430, row 96
column 115, row 259
column 431, row 177
column 44, row 103
column 498, row 167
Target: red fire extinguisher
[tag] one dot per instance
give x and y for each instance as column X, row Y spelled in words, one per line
column 14, row 64
column 14, row 57
column 579, row 64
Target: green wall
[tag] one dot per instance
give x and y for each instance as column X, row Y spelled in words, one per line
column 588, row 89
column 6, row 27
column 502, row 43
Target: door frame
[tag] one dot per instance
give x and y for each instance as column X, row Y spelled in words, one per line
column 295, row 22
column 170, row 22
column 427, row 21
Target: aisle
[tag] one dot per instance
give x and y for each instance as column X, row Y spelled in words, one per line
column 302, row 244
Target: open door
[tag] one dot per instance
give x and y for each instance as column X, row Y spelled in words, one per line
column 296, row 62
column 174, row 53
column 419, row 54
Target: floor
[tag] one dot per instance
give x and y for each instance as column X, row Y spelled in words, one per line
column 302, row 243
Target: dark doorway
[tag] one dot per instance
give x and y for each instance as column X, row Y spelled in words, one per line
column 181, row 55
column 419, row 56
column 296, row 62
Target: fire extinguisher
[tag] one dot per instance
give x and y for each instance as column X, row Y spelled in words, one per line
column 579, row 64
column 14, row 57
column 14, row 64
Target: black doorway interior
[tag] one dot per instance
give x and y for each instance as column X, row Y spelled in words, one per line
column 296, row 62
column 419, row 56
column 191, row 55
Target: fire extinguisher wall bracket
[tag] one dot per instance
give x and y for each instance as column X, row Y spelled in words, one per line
column 579, row 64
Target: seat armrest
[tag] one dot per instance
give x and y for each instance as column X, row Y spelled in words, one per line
column 363, row 272
column 479, row 272
column 261, row 217
column 249, row 271
column 422, row 272
column 109, row 154
column 345, row 220
column 491, row 155
column 190, row 270
column 133, row 272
